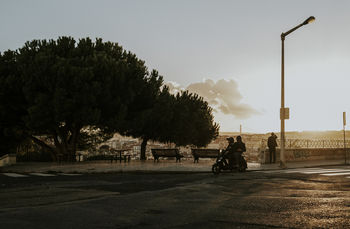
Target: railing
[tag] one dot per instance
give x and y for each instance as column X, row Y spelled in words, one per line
column 311, row 143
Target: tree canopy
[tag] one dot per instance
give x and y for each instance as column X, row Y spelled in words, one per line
column 11, row 104
column 57, row 87
column 193, row 121
column 63, row 89
column 184, row 119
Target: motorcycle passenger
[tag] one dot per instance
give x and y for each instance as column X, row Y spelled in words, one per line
column 238, row 149
column 229, row 151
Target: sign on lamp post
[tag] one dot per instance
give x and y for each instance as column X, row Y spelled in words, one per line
column 284, row 114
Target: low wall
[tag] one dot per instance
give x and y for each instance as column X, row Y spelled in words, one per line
column 8, row 159
column 307, row 154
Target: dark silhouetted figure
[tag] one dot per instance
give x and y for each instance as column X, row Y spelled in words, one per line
column 272, row 144
column 239, row 149
column 229, row 152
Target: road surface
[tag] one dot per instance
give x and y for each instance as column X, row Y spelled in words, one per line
column 293, row 198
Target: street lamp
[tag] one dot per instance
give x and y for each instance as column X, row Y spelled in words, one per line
column 284, row 113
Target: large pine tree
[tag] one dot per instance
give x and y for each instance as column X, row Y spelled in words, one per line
column 57, row 87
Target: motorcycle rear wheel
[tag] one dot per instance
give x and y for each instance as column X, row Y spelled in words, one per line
column 242, row 165
column 242, row 169
column 215, row 169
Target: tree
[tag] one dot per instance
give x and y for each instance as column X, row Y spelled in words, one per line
column 184, row 119
column 60, row 87
column 152, row 123
column 11, row 104
column 193, row 121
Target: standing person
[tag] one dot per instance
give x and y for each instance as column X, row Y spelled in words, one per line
column 238, row 148
column 272, row 144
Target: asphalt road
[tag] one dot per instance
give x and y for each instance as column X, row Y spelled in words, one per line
column 303, row 198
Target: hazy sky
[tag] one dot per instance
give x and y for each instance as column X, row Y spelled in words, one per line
column 227, row 51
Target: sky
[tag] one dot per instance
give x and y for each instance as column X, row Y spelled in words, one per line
column 229, row 51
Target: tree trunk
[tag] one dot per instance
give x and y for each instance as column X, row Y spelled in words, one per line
column 72, row 143
column 65, row 142
column 143, row 149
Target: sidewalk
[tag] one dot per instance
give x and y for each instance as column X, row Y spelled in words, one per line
column 165, row 166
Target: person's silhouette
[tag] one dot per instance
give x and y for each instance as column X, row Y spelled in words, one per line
column 272, row 144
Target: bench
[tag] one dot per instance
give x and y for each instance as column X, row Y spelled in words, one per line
column 204, row 153
column 166, row 153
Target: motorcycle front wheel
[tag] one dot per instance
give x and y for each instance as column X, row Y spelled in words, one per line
column 215, row 169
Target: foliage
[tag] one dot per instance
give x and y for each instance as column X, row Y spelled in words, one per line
column 56, row 88
column 154, row 122
column 66, row 95
column 39, row 156
column 100, row 157
column 11, row 104
column 193, row 121
column 91, row 137
column 184, row 119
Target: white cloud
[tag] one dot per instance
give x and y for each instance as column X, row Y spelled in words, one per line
column 223, row 96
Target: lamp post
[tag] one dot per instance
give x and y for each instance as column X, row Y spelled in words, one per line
column 283, row 112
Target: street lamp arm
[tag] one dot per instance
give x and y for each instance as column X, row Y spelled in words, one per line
column 307, row 21
column 283, row 35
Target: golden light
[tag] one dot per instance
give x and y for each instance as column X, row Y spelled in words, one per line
column 309, row 20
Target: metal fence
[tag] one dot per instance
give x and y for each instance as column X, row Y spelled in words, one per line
column 311, row 143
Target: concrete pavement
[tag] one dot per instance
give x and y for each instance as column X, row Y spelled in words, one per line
column 163, row 166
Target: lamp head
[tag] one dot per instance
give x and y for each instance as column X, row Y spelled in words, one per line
column 309, row 20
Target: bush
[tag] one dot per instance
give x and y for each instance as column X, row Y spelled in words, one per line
column 100, row 157
column 34, row 156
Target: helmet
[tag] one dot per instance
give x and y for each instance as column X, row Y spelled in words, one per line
column 230, row 139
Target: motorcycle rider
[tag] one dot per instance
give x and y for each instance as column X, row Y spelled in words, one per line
column 238, row 149
column 229, row 151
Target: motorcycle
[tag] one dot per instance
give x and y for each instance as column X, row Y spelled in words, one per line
column 222, row 164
